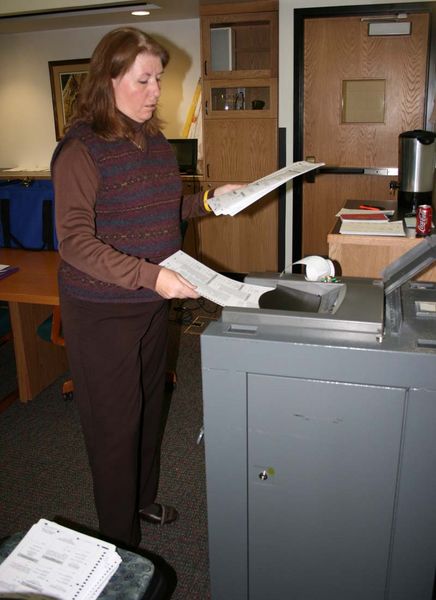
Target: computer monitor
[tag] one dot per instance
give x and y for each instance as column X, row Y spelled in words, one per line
column 186, row 154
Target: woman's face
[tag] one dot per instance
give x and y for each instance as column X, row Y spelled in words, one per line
column 138, row 90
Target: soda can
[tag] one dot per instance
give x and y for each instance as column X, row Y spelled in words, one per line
column 423, row 220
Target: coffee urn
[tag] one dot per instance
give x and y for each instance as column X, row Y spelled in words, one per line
column 416, row 170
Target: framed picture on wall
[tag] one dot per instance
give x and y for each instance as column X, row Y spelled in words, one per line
column 66, row 76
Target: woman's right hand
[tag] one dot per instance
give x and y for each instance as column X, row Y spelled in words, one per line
column 170, row 284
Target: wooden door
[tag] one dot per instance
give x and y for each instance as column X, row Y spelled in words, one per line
column 337, row 51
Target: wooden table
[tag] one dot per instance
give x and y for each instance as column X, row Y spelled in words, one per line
column 367, row 256
column 12, row 175
column 31, row 294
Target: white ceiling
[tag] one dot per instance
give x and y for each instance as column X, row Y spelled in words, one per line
column 113, row 14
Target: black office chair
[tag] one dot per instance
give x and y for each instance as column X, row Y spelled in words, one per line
column 6, row 337
column 5, row 324
column 50, row 330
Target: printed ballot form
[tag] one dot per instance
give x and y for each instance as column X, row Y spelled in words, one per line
column 57, row 562
column 233, row 202
column 213, row 286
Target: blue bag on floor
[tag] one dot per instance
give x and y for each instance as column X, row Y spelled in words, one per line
column 27, row 215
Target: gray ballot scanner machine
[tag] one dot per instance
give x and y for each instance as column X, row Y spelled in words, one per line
column 320, row 438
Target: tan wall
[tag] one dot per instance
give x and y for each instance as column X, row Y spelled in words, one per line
column 26, row 114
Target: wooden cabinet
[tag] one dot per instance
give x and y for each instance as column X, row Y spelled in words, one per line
column 243, row 243
column 239, row 150
column 239, row 44
column 240, row 129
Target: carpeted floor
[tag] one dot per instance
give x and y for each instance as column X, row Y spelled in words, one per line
column 44, row 468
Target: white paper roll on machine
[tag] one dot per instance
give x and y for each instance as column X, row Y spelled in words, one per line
column 317, row 267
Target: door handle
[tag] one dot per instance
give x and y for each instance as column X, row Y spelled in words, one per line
column 391, row 171
column 385, row 171
column 332, row 170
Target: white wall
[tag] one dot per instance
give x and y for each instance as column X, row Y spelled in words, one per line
column 26, row 115
column 286, row 89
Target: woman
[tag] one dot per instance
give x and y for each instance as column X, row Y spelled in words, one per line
column 118, row 215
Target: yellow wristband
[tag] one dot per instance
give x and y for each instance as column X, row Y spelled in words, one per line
column 205, row 202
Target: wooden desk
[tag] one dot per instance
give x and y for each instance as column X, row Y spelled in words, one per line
column 12, row 175
column 31, row 294
column 367, row 256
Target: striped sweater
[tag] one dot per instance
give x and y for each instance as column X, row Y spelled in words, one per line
column 137, row 209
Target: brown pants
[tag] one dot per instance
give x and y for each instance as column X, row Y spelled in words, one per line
column 117, row 357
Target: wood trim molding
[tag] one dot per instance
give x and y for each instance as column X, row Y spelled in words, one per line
column 232, row 8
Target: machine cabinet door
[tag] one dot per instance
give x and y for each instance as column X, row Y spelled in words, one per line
column 414, row 550
column 323, row 461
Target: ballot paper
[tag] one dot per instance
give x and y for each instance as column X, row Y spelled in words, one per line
column 56, row 562
column 231, row 203
column 213, row 286
column 389, row 228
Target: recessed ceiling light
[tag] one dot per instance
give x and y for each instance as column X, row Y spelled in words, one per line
column 140, row 13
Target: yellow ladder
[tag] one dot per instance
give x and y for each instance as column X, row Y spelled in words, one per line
column 193, row 113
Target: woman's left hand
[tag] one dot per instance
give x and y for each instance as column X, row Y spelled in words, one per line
column 170, row 284
column 228, row 187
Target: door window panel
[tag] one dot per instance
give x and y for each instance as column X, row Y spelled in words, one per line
column 363, row 101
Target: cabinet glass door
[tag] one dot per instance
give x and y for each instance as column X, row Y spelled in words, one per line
column 238, row 45
column 256, row 97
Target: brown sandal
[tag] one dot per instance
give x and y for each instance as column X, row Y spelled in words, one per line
column 159, row 514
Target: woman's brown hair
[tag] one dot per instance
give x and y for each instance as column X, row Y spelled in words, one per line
column 113, row 56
